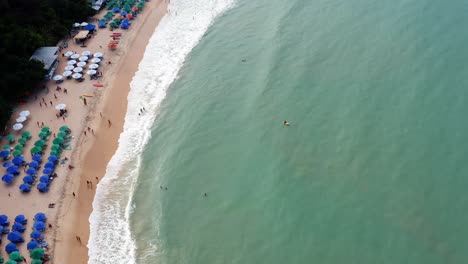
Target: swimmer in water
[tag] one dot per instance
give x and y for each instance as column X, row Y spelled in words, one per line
column 285, row 123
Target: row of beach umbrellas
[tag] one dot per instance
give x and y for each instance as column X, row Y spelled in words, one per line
column 21, row 118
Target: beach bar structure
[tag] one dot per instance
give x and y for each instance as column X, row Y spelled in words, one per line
column 81, row 36
column 48, row 57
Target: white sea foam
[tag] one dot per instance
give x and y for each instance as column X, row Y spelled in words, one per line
column 110, row 239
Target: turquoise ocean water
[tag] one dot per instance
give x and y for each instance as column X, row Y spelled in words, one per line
column 373, row 168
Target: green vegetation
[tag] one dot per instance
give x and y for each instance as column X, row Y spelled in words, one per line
column 26, row 25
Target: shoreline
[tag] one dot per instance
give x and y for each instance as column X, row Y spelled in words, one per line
column 95, row 153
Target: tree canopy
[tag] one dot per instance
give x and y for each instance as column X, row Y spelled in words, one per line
column 26, row 25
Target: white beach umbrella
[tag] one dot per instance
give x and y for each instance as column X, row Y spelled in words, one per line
column 75, row 56
column 83, row 58
column 77, row 75
column 84, row 24
column 58, row 78
column 93, row 66
column 60, row 106
column 96, row 60
column 67, row 73
column 91, row 72
column 78, row 69
column 86, row 53
column 98, row 55
column 71, row 62
column 69, row 68
column 17, row 126
column 68, row 53
column 21, row 119
column 24, row 113
column 81, row 64
column 76, row 25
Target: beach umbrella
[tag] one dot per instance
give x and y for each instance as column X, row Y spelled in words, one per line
column 21, row 219
column 68, row 53
column 76, row 25
column 4, row 153
column 61, row 134
column 37, row 253
column 8, row 178
column 43, row 135
column 14, row 237
column 68, row 73
column 25, row 134
column 47, row 171
column 7, row 164
column 45, row 129
column 71, row 62
column 25, row 113
column 84, row 24
column 44, row 179
column 19, row 147
column 22, row 140
column 75, row 56
column 116, row 9
column 78, row 69
column 77, row 76
column 34, row 164
column 12, row 169
column 94, row 66
column 52, row 158
column 16, row 256
column 55, row 153
column 55, row 147
column 86, row 53
column 36, row 235
column 81, row 64
column 36, row 261
column 18, row 227
column 39, row 226
column 31, row 171
column 49, row 165
column 37, row 157
column 82, row 59
column 25, row 187
column 16, row 153
column 35, row 150
column 69, row 68
column 18, row 160
column 98, row 55
column 63, row 128
column 17, row 126
column 91, row 72
column 96, row 60
column 39, row 143
column 4, row 220
column 58, row 78
column 60, row 106
column 21, row 119
column 7, row 147
column 28, row 179
column 123, row 13
column 11, row 247
column 58, row 140
column 40, row 217
column 32, row 245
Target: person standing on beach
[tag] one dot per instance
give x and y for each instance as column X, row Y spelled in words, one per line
column 110, row 123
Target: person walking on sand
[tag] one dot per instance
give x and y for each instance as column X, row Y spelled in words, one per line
column 65, row 90
column 84, row 101
column 110, row 123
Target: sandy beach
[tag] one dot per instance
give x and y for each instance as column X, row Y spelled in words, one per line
column 94, row 140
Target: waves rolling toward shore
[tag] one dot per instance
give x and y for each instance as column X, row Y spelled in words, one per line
column 111, row 240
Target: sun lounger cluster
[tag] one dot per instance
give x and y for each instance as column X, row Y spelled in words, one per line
column 35, row 246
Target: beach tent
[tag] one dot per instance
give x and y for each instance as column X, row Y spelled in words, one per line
column 36, row 235
column 18, row 227
column 37, row 157
column 8, row 178
column 37, row 253
column 15, row 237
column 39, row 226
column 21, row 219
column 42, row 187
column 31, row 171
column 28, row 179
column 32, row 245
column 34, row 164
column 40, row 217
column 11, row 247
column 36, row 261
column 7, row 164
column 4, row 220
column 44, row 179
column 25, row 187
column 18, row 160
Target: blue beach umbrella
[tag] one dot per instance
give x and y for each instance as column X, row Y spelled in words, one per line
column 44, row 179
column 8, row 178
column 52, row 158
column 7, row 164
column 25, row 187
column 18, row 227
column 18, row 160
column 49, row 165
column 47, row 171
column 40, row 217
column 21, row 219
column 36, row 235
column 28, row 179
column 34, row 164
column 32, row 245
column 37, row 157
column 39, row 226
column 12, row 169
column 4, row 153
column 15, row 237
column 4, row 220
column 42, row 187
column 31, row 171
column 10, row 248
column 116, row 9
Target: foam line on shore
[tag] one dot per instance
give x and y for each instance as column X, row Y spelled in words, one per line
column 178, row 33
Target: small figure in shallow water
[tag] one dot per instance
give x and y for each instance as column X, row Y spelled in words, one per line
column 285, row 123
column 205, row 195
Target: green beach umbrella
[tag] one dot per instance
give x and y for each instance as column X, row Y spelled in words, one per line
column 36, row 261
column 43, row 135
column 58, row 140
column 16, row 256
column 35, row 150
column 45, row 129
column 22, row 140
column 61, row 134
column 63, row 128
column 55, row 147
column 16, row 153
column 11, row 262
column 19, row 147
column 37, row 253
column 6, row 147
column 10, row 137
column 39, row 143
column 55, row 153
column 26, row 134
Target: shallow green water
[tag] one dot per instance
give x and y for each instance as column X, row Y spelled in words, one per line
column 372, row 169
